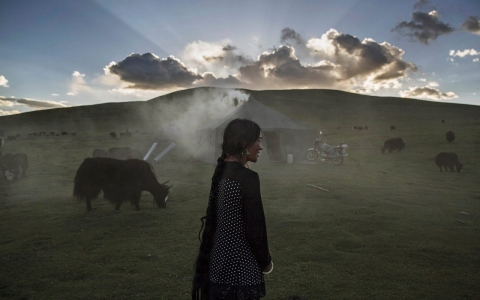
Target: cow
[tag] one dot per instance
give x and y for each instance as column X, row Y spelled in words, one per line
column 100, row 153
column 450, row 136
column 123, row 153
column 393, row 144
column 448, row 160
column 120, row 181
column 14, row 165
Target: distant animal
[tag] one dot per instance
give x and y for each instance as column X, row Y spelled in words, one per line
column 14, row 165
column 392, row 127
column 393, row 144
column 100, row 153
column 73, row 133
column 1, row 142
column 124, row 153
column 11, row 138
column 443, row 121
column 113, row 134
column 448, row 160
column 64, row 133
column 120, row 181
column 450, row 136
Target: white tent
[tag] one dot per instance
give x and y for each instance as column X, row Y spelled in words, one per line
column 281, row 135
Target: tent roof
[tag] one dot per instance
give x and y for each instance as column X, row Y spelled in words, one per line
column 268, row 119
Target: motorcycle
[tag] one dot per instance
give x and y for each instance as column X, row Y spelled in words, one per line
column 335, row 154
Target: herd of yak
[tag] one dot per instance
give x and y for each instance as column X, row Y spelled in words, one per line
column 446, row 160
column 122, row 175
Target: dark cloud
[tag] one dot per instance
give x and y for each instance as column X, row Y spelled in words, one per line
column 148, row 71
column 35, row 104
column 289, row 34
column 211, row 58
column 229, row 48
column 472, row 24
column 282, row 69
column 427, row 92
column 424, row 27
column 367, row 57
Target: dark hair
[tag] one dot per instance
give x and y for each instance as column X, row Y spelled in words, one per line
column 238, row 136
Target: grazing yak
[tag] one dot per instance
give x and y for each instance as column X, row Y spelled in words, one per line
column 13, row 165
column 120, row 180
column 450, row 136
column 113, row 134
column 393, row 144
column 1, row 142
column 448, row 160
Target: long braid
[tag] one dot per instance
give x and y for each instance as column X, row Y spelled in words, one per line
column 201, row 278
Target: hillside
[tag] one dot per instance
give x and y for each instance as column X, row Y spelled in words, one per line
column 316, row 108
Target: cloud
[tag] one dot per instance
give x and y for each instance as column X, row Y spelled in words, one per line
column 220, row 58
column 78, row 84
column 472, row 24
column 464, row 53
column 368, row 64
column 289, row 34
column 282, row 69
column 3, row 81
column 336, row 61
column 32, row 103
column 424, row 27
column 8, row 112
column 427, row 92
column 148, row 71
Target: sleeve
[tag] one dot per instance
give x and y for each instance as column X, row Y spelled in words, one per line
column 255, row 226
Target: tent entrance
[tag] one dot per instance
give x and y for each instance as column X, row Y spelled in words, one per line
column 273, row 143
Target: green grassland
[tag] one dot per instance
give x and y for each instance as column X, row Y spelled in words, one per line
column 391, row 225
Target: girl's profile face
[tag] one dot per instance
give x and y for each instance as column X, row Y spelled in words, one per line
column 255, row 149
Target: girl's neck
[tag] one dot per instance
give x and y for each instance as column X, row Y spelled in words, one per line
column 241, row 160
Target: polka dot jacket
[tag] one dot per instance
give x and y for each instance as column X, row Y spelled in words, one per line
column 240, row 247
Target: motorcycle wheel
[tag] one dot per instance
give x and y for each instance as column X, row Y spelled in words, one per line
column 311, row 155
column 337, row 160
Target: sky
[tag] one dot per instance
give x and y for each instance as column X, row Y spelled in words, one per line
column 56, row 53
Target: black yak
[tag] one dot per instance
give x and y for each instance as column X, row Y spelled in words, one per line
column 120, row 180
column 450, row 136
column 448, row 160
column 393, row 144
column 14, row 165
column 113, row 134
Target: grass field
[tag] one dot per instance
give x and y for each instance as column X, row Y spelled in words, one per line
column 391, row 226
